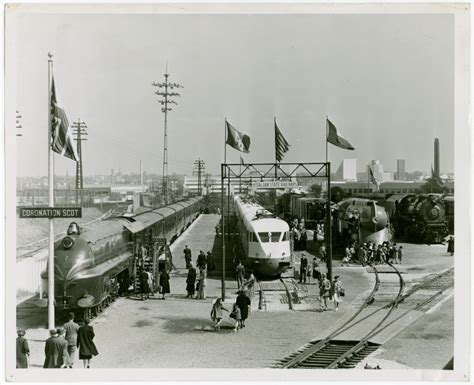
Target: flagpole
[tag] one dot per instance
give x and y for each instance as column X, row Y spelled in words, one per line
column 368, row 179
column 326, row 138
column 275, row 137
column 51, row 320
column 225, row 140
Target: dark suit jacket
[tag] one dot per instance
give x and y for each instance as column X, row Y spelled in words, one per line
column 55, row 351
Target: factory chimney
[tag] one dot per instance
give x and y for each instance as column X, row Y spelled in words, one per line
column 141, row 173
column 111, row 177
column 436, row 157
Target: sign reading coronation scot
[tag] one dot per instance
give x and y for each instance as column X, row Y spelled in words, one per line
column 50, row 212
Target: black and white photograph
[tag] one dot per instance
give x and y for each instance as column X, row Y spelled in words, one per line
column 280, row 188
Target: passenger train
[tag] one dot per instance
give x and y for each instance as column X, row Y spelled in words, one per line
column 265, row 239
column 89, row 263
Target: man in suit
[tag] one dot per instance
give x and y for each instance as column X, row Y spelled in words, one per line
column 303, row 268
column 71, row 329
column 63, row 357
column 55, row 351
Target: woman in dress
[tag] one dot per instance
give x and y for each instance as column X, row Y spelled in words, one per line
column 85, row 343
column 337, row 289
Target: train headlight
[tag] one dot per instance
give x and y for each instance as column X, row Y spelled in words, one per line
column 68, row 242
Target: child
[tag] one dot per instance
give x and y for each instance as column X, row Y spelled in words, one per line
column 216, row 313
column 236, row 316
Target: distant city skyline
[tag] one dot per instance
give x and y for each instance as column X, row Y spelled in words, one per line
column 385, row 81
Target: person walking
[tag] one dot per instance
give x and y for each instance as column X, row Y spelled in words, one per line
column 322, row 253
column 217, row 230
column 303, row 267
column 64, row 357
column 338, row 292
column 400, row 254
column 71, row 329
column 202, row 283
column 347, row 257
column 22, row 350
column 315, row 271
column 216, row 312
column 85, row 343
column 54, row 350
column 240, row 273
column 164, row 283
column 250, row 285
column 187, row 256
column 210, row 262
column 201, row 261
column 144, row 289
column 324, row 291
column 236, row 315
column 451, row 245
column 191, row 281
column 243, row 302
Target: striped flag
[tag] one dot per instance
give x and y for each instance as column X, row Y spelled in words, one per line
column 336, row 138
column 373, row 180
column 281, row 145
column 237, row 139
column 61, row 141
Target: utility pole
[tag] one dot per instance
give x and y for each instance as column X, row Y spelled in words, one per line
column 79, row 130
column 165, row 92
column 199, row 167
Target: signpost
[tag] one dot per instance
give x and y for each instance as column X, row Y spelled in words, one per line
column 50, row 212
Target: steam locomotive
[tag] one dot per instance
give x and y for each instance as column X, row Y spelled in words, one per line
column 421, row 218
column 88, row 264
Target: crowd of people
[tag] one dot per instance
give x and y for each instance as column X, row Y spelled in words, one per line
column 61, row 346
column 371, row 253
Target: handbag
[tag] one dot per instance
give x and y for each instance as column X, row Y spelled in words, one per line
column 342, row 292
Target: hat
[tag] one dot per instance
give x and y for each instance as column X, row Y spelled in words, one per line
column 60, row 331
column 53, row 332
column 20, row 332
column 336, row 277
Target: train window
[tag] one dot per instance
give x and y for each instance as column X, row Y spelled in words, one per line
column 286, row 236
column 264, row 237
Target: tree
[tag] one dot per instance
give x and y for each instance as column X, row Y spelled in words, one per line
column 315, row 190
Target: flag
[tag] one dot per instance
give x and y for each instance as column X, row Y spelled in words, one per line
column 61, row 140
column 237, row 139
column 373, row 180
column 281, row 145
column 336, row 138
column 242, row 160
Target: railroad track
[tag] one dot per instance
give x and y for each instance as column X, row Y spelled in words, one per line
column 276, row 291
column 331, row 353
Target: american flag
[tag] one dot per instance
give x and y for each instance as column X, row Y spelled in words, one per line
column 281, row 145
column 373, row 179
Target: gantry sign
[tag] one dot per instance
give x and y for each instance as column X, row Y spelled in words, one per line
column 274, row 172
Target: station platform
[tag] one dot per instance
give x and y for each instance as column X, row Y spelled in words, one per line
column 178, row 332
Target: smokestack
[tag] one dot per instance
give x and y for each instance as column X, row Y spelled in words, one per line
column 436, row 157
column 112, row 177
column 141, row 172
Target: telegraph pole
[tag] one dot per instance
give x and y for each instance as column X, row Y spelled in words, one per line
column 165, row 92
column 199, row 169
column 79, row 130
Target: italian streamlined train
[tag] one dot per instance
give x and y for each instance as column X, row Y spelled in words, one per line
column 90, row 263
column 265, row 239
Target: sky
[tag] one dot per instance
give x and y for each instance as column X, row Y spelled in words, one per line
column 385, row 81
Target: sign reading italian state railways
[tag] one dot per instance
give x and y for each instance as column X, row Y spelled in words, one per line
column 50, row 212
column 274, row 184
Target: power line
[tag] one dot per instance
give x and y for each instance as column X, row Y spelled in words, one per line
column 165, row 92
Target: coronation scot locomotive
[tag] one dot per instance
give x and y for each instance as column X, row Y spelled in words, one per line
column 89, row 264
